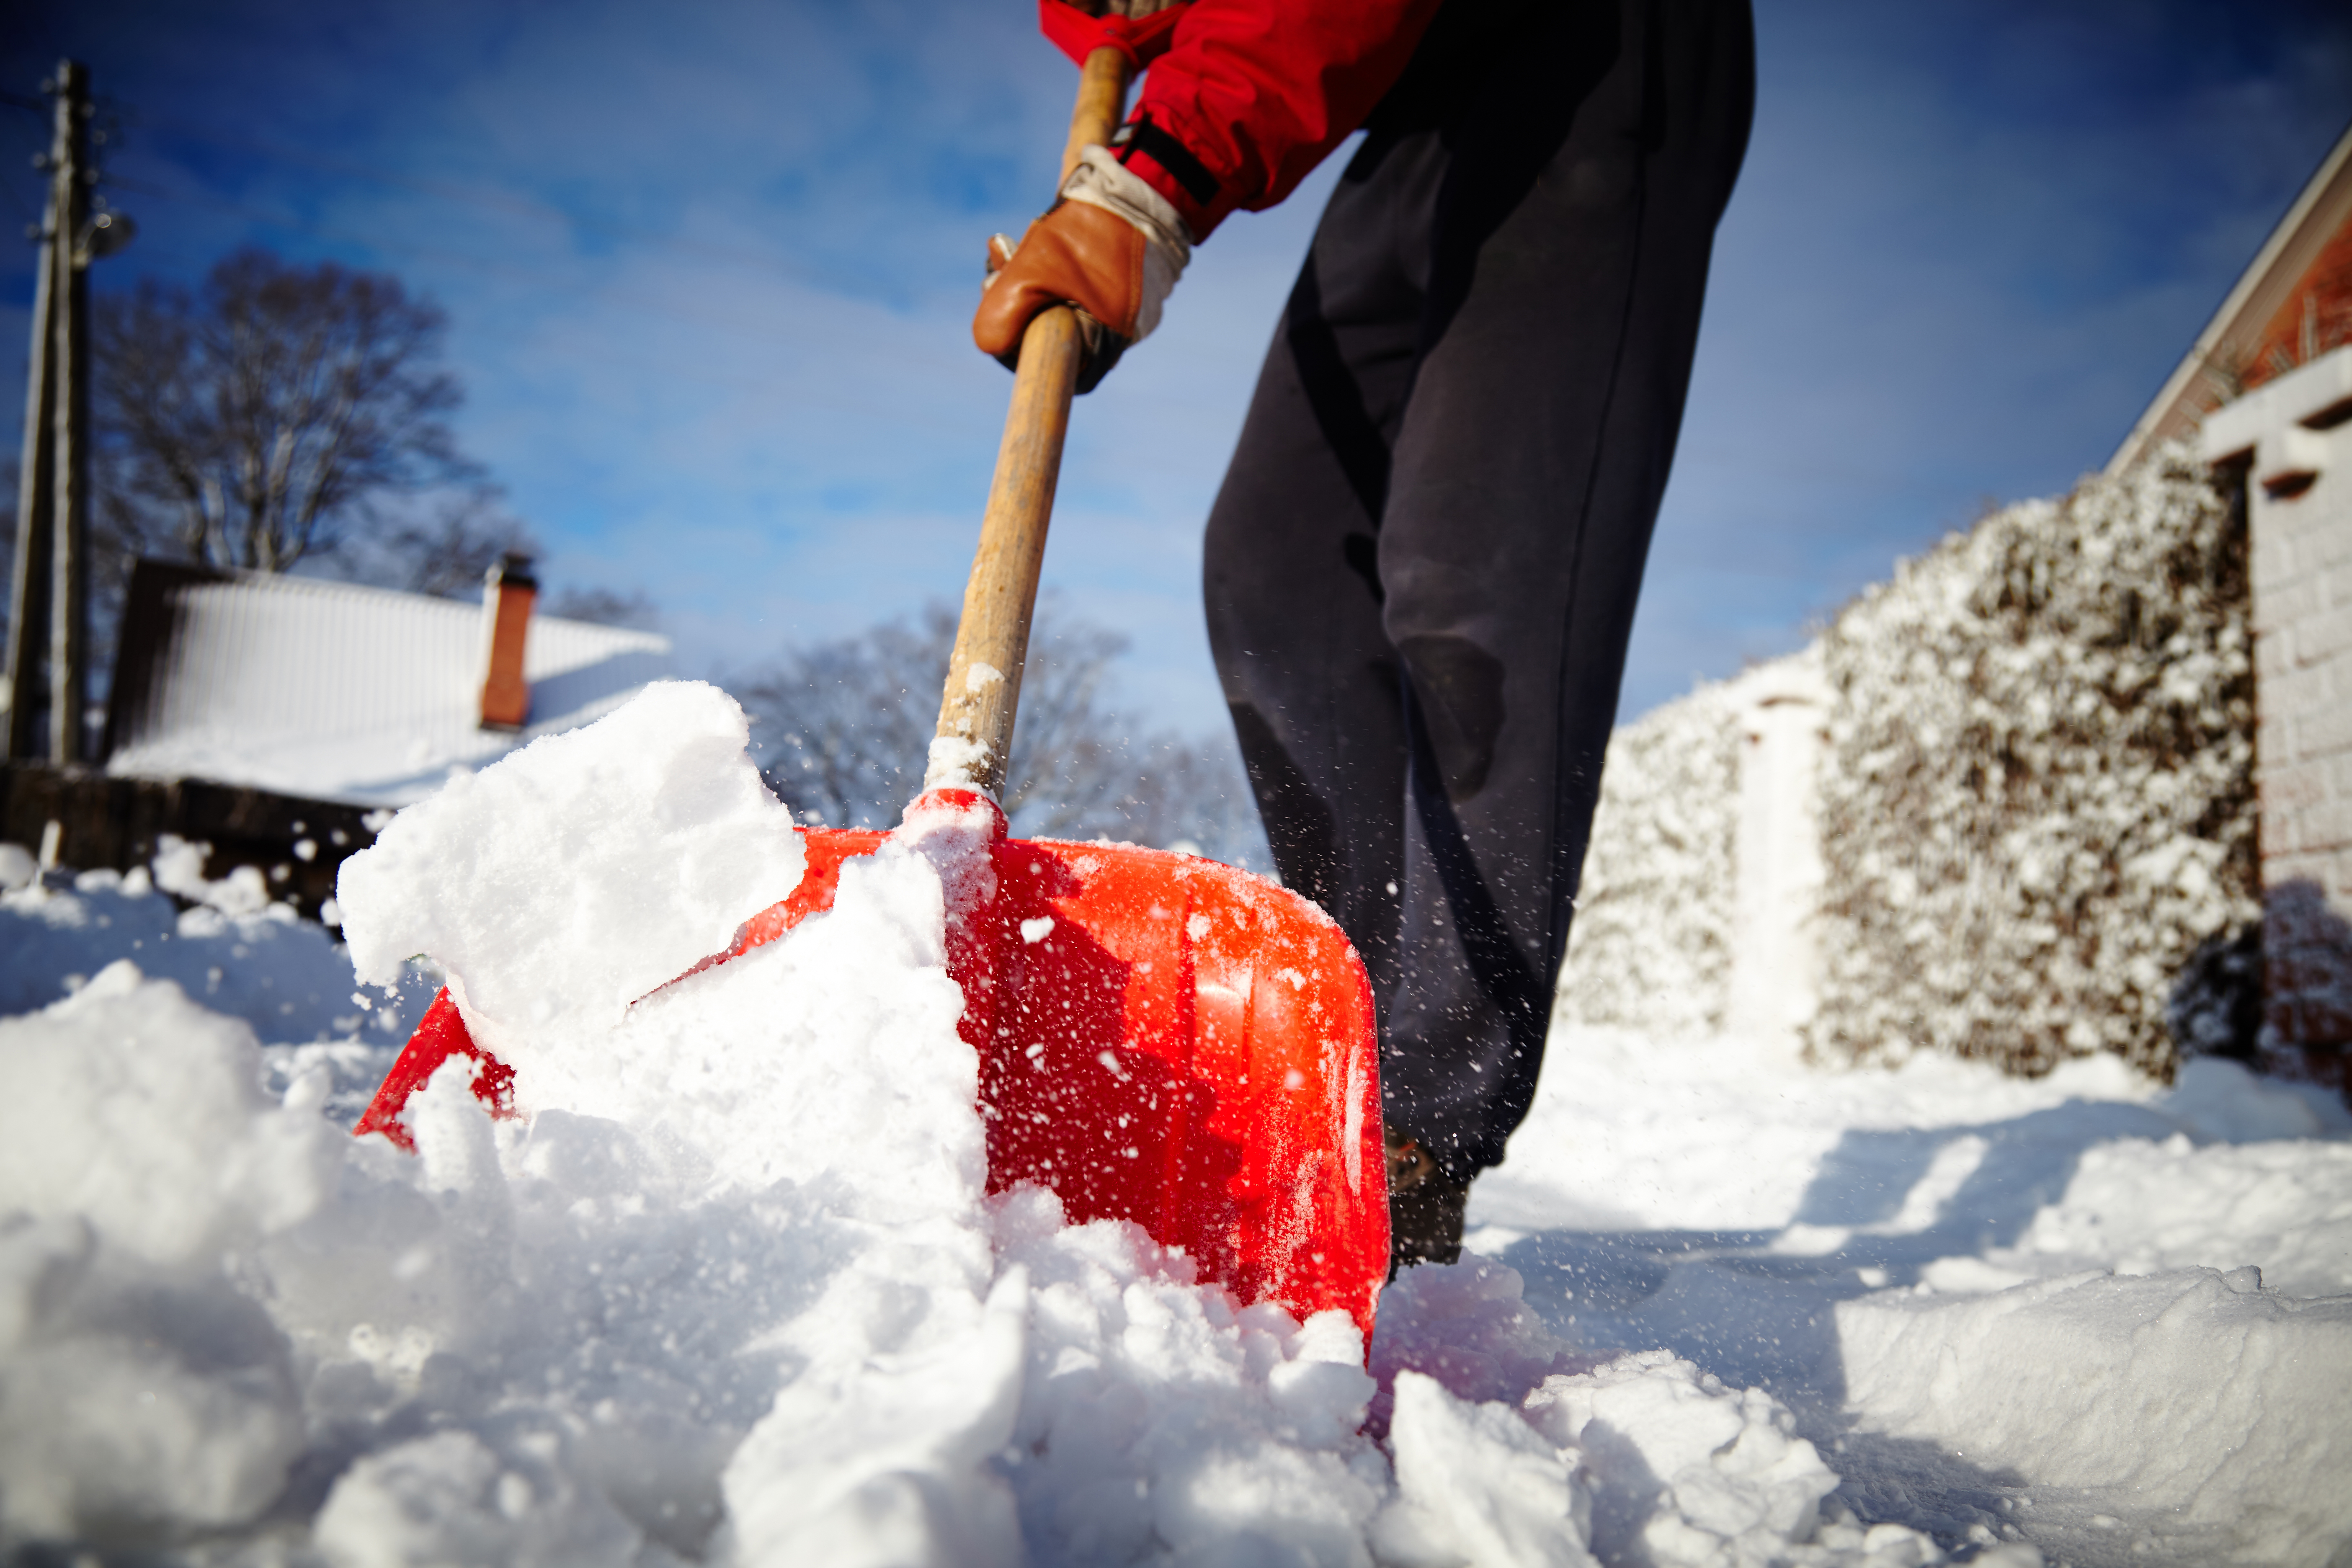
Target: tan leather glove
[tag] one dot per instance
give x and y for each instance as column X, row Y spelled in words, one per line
column 1112, row 246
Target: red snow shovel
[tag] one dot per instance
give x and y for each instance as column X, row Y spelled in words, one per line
column 1161, row 1039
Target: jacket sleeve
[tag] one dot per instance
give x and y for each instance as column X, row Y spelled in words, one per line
column 1252, row 94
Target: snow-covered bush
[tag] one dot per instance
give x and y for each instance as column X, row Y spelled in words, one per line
column 2040, row 801
column 1651, row 944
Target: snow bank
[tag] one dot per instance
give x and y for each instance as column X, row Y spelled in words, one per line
column 2285, row 1208
column 2201, row 1398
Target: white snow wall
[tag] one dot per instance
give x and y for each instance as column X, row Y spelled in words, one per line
column 2037, row 801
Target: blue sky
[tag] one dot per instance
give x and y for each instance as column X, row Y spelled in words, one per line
column 708, row 270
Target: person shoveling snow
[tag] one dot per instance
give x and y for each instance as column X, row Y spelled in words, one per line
column 1421, row 569
column 740, row 1273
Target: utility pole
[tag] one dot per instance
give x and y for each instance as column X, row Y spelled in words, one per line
column 48, row 623
column 28, row 592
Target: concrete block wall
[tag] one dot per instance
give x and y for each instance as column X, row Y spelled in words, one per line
column 2291, row 440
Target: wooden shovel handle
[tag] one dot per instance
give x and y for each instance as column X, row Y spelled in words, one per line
column 993, row 639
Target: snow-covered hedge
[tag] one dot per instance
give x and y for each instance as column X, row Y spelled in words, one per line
column 2041, row 800
column 1651, row 944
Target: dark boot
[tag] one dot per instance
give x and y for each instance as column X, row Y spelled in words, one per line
column 1425, row 1208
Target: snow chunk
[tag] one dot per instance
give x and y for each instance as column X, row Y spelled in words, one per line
column 449, row 1498
column 570, row 879
column 1688, row 1472
column 134, row 1111
column 180, row 868
column 137, row 1385
column 1475, row 1481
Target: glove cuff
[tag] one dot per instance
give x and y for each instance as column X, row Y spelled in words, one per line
column 1100, row 180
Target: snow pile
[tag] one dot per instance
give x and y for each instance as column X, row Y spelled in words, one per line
column 2289, row 1207
column 139, row 1387
column 1499, row 1431
column 2198, row 1396
column 1651, row 944
column 2041, row 799
column 1511, row 1447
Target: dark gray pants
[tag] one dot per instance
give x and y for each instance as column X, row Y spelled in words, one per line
column 1421, row 568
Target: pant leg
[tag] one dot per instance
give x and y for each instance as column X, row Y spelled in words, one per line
column 1524, row 480
column 1291, row 567
column 1549, row 231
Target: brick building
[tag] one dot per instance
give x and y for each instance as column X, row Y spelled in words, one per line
column 2266, row 394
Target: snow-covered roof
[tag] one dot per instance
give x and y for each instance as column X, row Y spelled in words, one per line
column 334, row 692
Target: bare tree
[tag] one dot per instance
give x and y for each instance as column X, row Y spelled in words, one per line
column 258, row 422
column 841, row 727
column 605, row 607
column 440, row 544
column 844, row 727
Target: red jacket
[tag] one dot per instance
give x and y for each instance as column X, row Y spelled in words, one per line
column 1252, row 94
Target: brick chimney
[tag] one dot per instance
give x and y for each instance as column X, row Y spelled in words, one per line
column 508, row 593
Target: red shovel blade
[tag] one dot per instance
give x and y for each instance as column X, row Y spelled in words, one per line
column 1161, row 1039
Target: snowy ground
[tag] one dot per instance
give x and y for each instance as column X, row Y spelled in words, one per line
column 2108, row 1318
column 734, row 1293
